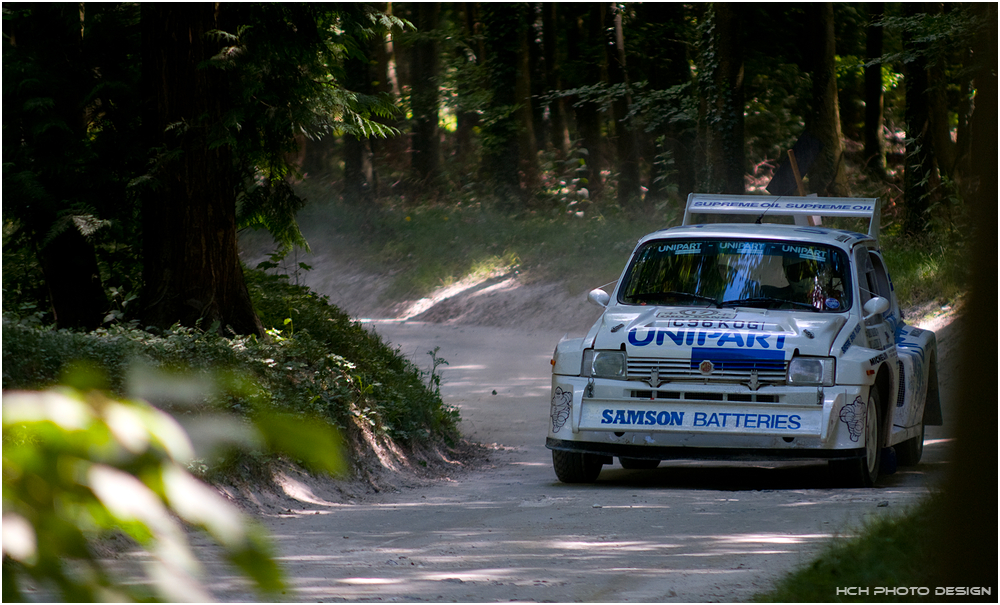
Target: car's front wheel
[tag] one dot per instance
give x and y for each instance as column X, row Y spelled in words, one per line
column 864, row 471
column 574, row 467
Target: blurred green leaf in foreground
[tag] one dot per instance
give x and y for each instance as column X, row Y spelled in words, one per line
column 79, row 465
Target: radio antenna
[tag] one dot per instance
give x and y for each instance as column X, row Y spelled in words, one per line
column 774, row 201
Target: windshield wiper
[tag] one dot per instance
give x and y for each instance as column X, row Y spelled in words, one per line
column 659, row 296
column 765, row 300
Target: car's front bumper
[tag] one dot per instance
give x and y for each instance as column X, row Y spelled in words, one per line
column 695, row 420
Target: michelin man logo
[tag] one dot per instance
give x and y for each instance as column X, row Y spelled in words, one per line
column 853, row 415
column 562, row 403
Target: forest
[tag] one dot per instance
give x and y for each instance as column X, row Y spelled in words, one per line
column 139, row 139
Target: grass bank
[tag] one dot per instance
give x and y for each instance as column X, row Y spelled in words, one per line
column 433, row 245
column 889, row 551
column 316, row 363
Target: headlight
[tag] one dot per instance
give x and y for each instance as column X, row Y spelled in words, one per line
column 811, row 371
column 604, row 364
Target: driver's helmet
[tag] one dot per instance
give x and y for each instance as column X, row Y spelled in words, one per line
column 799, row 269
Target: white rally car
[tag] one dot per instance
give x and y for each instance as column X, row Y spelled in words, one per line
column 748, row 341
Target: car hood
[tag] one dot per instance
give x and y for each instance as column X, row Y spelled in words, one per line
column 683, row 333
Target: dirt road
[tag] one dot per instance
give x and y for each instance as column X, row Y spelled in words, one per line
column 683, row 532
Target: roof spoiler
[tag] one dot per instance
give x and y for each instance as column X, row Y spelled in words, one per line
column 784, row 205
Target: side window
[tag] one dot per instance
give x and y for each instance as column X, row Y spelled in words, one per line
column 864, row 269
column 882, row 284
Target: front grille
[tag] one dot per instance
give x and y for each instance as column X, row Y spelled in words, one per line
column 732, row 397
column 725, row 370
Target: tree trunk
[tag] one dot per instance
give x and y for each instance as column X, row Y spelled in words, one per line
column 392, row 152
column 73, row 279
column 963, row 132
column 501, row 154
column 558, row 129
column 626, row 145
column 827, row 175
column 527, row 143
column 938, row 122
column 191, row 269
column 536, row 74
column 918, row 165
column 426, row 146
column 359, row 169
column 54, row 35
column 966, row 551
column 666, row 64
column 874, row 141
column 468, row 120
column 723, row 93
column 585, row 40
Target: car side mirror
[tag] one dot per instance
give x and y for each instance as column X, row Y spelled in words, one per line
column 599, row 297
column 876, row 306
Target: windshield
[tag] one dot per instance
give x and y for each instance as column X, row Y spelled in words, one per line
column 738, row 273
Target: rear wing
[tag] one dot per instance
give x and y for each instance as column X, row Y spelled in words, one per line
column 801, row 208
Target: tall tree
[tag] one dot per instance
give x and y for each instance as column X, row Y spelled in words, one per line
column 663, row 58
column 228, row 89
column 586, row 71
column 722, row 91
column 626, row 145
column 503, row 26
column 939, row 123
column 919, row 170
column 827, row 175
column 468, row 87
column 558, row 128
column 968, row 554
column 424, row 66
column 874, row 141
column 359, row 170
column 69, row 83
column 191, row 265
column 525, row 100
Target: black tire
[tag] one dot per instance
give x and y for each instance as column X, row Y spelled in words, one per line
column 574, row 467
column 638, row 464
column 864, row 471
column 908, row 453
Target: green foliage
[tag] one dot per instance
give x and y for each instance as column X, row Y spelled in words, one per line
column 927, row 268
column 935, row 35
column 286, row 63
column 76, row 155
column 338, row 369
column 565, row 183
column 318, row 364
column 777, row 98
column 889, row 551
column 70, row 137
column 434, row 379
column 241, row 401
column 79, row 466
column 653, row 109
